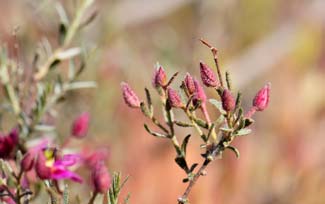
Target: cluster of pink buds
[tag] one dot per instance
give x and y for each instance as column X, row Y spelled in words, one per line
column 192, row 99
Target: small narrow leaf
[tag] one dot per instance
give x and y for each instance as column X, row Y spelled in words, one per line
column 182, row 124
column 184, row 144
column 218, row 105
column 180, row 160
column 193, row 167
column 248, row 122
column 235, row 150
column 69, row 53
column 66, row 195
column 225, row 129
column 243, row 132
column 201, row 123
column 156, row 134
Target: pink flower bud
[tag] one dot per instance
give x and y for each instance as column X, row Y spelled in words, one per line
column 101, row 178
column 80, row 125
column 189, row 83
column 228, row 101
column 208, row 76
column 262, row 98
column 42, row 171
column 174, row 98
column 159, row 77
column 130, row 98
column 8, row 143
column 27, row 162
column 199, row 95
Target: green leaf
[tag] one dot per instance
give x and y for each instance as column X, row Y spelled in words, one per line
column 182, row 124
column 226, row 129
column 248, row 122
column 156, row 134
column 66, row 195
column 243, row 132
column 220, row 120
column 201, row 123
column 235, row 150
column 184, row 144
column 210, row 131
column 193, row 167
column 62, row 33
column 82, row 85
column 44, row 128
column 218, row 105
column 69, row 53
column 180, row 160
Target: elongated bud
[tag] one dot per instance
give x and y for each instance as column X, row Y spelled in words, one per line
column 42, row 171
column 174, row 98
column 199, row 95
column 208, row 76
column 159, row 77
column 189, row 83
column 228, row 101
column 262, row 98
column 130, row 98
column 27, row 162
column 101, row 178
column 80, row 125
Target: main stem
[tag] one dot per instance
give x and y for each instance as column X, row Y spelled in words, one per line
column 213, row 154
column 184, row 198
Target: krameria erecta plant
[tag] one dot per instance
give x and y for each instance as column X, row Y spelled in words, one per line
column 36, row 161
column 217, row 135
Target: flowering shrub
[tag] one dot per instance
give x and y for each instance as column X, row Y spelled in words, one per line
column 34, row 160
column 217, row 135
column 36, row 164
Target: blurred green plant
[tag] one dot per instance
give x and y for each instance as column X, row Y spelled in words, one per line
column 32, row 98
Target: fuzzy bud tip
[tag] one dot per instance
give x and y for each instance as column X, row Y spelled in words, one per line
column 101, row 178
column 208, row 77
column 262, row 98
column 129, row 96
column 189, row 83
column 228, row 101
column 159, row 77
column 174, row 98
column 80, row 125
column 199, row 95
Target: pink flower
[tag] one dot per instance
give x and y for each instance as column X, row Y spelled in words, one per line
column 50, row 166
column 129, row 96
column 8, row 143
column 101, row 178
column 159, row 77
column 174, row 98
column 228, row 101
column 189, row 83
column 199, row 95
column 208, row 76
column 80, row 126
column 262, row 98
column 91, row 158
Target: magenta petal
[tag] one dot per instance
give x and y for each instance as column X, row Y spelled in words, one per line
column 61, row 173
column 68, row 160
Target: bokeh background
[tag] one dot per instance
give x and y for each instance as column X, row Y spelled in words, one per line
column 282, row 42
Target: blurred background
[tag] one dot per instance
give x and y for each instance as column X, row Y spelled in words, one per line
column 282, row 42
